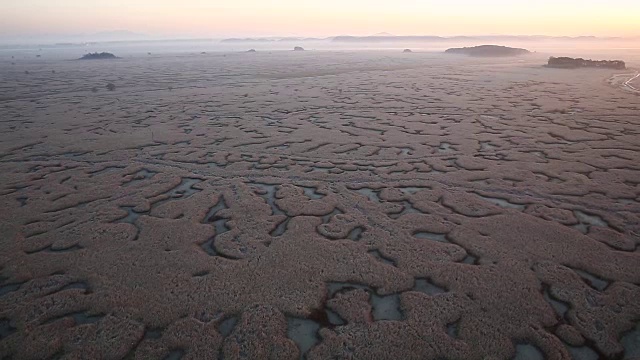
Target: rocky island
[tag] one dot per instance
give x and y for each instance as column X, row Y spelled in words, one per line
column 571, row 63
column 488, row 51
column 298, row 48
column 98, row 56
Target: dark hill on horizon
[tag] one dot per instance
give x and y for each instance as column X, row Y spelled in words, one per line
column 488, row 51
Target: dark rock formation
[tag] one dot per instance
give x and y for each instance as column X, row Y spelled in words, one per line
column 488, row 51
column 571, row 63
column 298, row 48
column 98, row 56
column 252, row 50
column 407, row 51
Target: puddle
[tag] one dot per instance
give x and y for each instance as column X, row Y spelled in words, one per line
column 470, row 259
column 445, row 147
column 155, row 333
column 84, row 318
column 370, row 193
column 383, row 307
column 50, row 249
column 312, row 193
column 452, row 329
column 560, row 307
column 131, row 217
column 6, row 328
column 219, row 223
column 105, row 170
column 410, row 190
column 281, row 228
column 226, row 326
column 334, row 319
column 407, row 208
column 320, row 169
column 141, row 175
column 209, row 247
column 587, row 220
column 378, row 255
column 528, row 352
column 427, row 287
column 583, row 353
column 175, row 355
column 356, row 233
column 182, row 191
column 185, row 188
column 631, row 343
column 431, row 236
column 7, row 288
column 269, row 194
column 327, row 218
column 502, row 203
column 304, row 333
column 593, row 281
column 487, row 145
column 22, row 200
column 77, row 285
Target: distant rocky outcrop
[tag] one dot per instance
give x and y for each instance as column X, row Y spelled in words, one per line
column 488, row 51
column 251, row 50
column 407, row 51
column 298, row 48
column 571, row 63
column 98, row 56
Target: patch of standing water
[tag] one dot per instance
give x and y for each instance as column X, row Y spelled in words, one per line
column 175, row 355
column 558, row 306
column 582, row 353
column 631, row 343
column 407, row 208
column 312, row 193
column 131, row 217
column 431, row 236
column 445, row 147
column 219, row 223
column 378, row 255
column 356, row 233
column 226, row 326
column 528, row 352
column 487, row 145
column 503, row 203
column 370, row 193
column 427, row 287
column 594, row 281
column 270, row 197
column 304, row 333
column 587, row 220
column 385, row 307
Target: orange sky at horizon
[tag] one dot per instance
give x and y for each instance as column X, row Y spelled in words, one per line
column 326, row 18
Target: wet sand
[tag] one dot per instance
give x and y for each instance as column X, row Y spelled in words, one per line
column 318, row 205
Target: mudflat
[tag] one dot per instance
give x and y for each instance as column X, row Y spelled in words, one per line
column 318, row 205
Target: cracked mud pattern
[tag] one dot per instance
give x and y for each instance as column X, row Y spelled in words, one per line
column 318, row 206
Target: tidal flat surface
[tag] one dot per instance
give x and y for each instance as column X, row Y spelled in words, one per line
column 356, row 205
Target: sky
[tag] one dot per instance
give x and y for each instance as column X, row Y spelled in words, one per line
column 214, row 19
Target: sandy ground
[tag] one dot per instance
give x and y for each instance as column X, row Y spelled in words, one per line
column 370, row 205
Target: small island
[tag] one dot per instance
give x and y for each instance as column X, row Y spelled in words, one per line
column 98, row 56
column 571, row 63
column 407, row 51
column 488, row 51
column 298, row 48
column 251, row 50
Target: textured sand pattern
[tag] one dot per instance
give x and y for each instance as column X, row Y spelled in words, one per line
column 318, row 205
